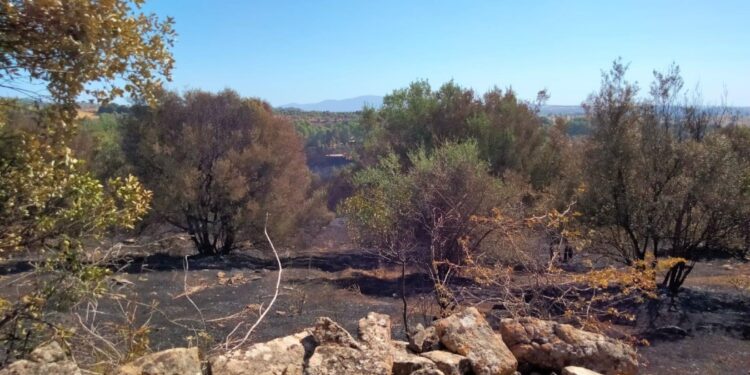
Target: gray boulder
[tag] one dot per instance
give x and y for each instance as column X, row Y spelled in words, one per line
column 551, row 345
column 449, row 363
column 282, row 356
column 467, row 333
column 424, row 339
column 177, row 361
column 339, row 353
column 46, row 359
column 406, row 362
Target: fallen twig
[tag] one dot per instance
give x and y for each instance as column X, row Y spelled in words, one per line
column 270, row 304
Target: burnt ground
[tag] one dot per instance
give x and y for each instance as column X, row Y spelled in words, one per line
column 708, row 333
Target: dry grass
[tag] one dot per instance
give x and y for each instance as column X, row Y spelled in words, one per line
column 86, row 115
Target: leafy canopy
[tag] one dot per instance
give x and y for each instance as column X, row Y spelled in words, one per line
column 83, row 46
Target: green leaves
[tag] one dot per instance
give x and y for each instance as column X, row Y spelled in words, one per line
column 69, row 44
column 45, row 194
column 431, row 200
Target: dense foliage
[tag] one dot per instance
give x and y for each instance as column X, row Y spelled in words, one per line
column 69, row 44
column 508, row 132
column 218, row 164
column 422, row 215
column 661, row 177
column 50, row 205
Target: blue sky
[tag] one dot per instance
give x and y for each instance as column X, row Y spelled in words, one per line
column 307, row 51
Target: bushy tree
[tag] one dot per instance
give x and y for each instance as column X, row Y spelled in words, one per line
column 660, row 178
column 508, row 132
column 218, row 163
column 98, row 143
column 422, row 214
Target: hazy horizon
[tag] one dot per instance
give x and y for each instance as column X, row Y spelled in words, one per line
column 289, row 52
column 286, row 52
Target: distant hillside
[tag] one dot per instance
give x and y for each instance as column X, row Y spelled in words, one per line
column 562, row 110
column 356, row 104
column 343, row 105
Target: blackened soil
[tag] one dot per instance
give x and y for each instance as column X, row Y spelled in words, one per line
column 706, row 330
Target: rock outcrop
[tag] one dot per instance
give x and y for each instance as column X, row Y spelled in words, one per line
column 46, row 359
column 424, row 339
column 406, row 362
column 282, row 356
column 177, row 361
column 468, row 334
column 575, row 370
column 547, row 344
column 449, row 363
column 339, row 353
column 461, row 344
column 328, row 332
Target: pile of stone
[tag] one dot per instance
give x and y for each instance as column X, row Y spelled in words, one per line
column 463, row 343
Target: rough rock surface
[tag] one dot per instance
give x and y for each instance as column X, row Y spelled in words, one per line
column 332, row 359
column 468, row 334
column 375, row 333
column 177, row 361
column 282, row 356
column 46, row 359
column 427, row 372
column 424, row 339
column 339, row 353
column 328, row 332
column 575, row 370
column 552, row 345
column 405, row 362
column 449, row 363
column 468, row 346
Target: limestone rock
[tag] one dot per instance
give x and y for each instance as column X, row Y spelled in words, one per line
column 282, row 356
column 574, row 370
column 427, row 372
column 339, row 353
column 467, row 333
column 177, row 361
column 49, row 353
column 46, row 359
column 334, row 360
column 328, row 332
column 424, row 339
column 375, row 332
column 551, row 345
column 449, row 363
column 405, row 362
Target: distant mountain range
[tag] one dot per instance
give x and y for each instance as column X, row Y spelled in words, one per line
column 356, row 104
column 343, row 105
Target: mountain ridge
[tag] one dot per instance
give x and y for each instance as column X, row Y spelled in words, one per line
column 339, row 105
column 357, row 103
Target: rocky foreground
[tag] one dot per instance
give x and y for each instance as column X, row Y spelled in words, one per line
column 463, row 343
